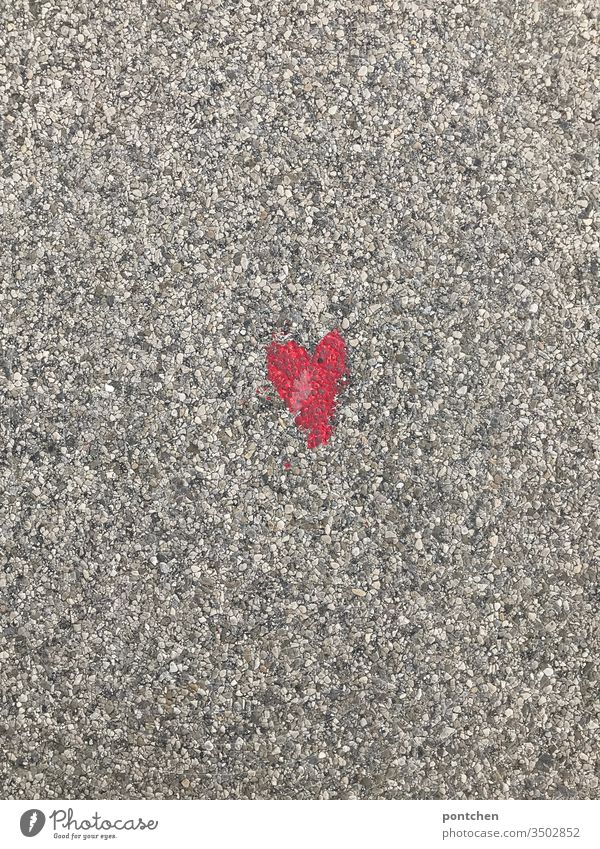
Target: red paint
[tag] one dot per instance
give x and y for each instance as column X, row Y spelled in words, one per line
column 309, row 385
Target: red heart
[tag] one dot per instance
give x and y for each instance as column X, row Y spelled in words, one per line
column 309, row 385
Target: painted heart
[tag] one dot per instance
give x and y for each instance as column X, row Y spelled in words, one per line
column 309, row 385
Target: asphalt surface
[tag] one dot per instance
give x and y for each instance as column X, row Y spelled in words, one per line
column 193, row 604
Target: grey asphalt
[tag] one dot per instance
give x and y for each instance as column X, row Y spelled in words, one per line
column 408, row 612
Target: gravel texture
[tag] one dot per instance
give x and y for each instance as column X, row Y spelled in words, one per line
column 409, row 612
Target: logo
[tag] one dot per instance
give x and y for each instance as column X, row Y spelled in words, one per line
column 32, row 822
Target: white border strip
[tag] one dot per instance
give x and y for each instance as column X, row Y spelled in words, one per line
column 291, row 824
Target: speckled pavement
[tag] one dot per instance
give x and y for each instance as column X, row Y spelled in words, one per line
column 193, row 604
